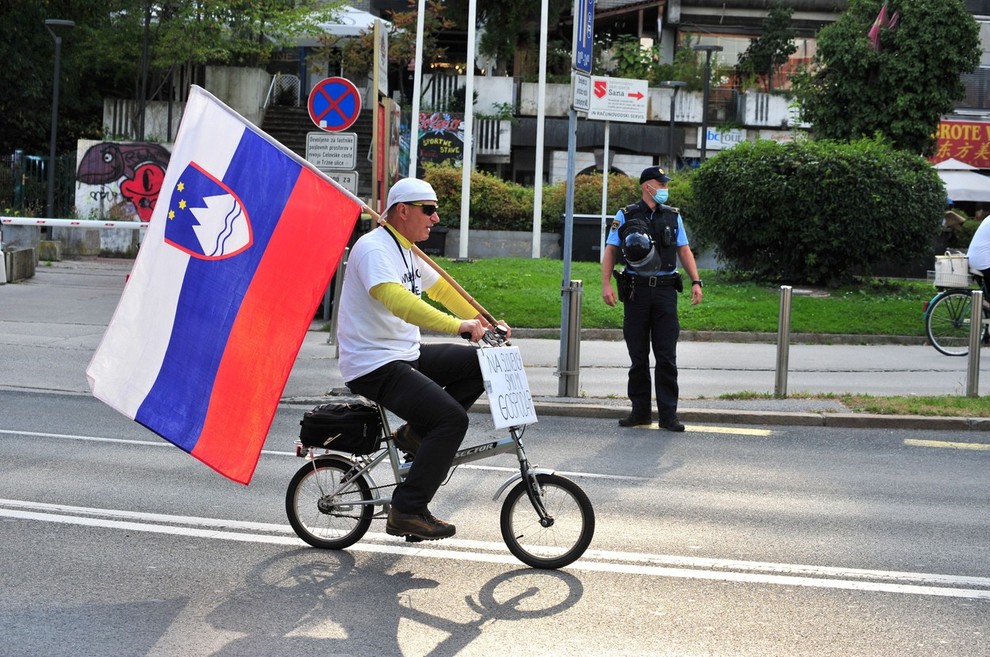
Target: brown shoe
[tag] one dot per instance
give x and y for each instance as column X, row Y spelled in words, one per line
column 407, row 440
column 424, row 526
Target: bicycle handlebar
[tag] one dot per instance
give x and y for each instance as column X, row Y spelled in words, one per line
column 493, row 337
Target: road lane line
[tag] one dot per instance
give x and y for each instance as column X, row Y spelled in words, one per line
column 945, row 444
column 660, row 566
column 272, row 452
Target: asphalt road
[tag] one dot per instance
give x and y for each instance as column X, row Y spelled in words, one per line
column 723, row 540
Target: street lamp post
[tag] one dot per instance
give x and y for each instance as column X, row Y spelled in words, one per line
column 675, row 86
column 49, row 24
column 708, row 50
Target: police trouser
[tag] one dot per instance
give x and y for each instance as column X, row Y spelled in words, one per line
column 650, row 320
column 432, row 394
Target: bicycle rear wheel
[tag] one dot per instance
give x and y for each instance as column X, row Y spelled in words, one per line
column 322, row 517
column 947, row 322
column 557, row 543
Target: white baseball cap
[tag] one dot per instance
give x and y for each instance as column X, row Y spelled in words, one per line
column 409, row 190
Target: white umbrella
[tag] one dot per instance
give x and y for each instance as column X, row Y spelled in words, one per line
column 347, row 22
column 953, row 164
column 962, row 182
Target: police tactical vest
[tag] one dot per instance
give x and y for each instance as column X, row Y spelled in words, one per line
column 663, row 229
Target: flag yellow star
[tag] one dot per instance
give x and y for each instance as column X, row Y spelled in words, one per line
column 182, row 204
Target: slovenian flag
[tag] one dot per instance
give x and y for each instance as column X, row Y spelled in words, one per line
column 241, row 246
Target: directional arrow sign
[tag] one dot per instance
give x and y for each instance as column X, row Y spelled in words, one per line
column 618, row 99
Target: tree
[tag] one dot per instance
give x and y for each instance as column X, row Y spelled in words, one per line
column 771, row 50
column 509, row 25
column 102, row 54
column 902, row 88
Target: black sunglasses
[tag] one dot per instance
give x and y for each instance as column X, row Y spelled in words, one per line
column 428, row 208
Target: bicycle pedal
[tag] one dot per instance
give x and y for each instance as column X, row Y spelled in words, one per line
column 413, row 539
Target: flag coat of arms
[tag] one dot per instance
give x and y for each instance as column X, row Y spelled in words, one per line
column 241, row 246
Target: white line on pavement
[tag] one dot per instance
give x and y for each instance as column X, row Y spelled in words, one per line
column 724, row 570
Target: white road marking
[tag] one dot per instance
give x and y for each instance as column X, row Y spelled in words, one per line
column 650, row 565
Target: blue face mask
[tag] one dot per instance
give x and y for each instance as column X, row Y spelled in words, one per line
column 661, row 195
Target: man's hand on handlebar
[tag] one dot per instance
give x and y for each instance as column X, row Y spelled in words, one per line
column 473, row 330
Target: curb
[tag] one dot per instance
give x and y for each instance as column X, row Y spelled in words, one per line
column 774, row 418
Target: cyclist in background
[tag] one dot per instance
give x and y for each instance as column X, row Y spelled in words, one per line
column 430, row 386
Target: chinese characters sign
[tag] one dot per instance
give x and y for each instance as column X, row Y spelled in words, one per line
column 966, row 141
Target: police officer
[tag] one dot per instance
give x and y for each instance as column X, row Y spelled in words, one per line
column 649, row 237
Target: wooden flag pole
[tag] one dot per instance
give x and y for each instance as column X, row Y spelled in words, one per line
column 447, row 277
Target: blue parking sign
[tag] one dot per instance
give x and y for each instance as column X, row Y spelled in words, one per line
column 584, row 34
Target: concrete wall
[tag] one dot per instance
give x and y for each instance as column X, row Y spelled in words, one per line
column 502, row 244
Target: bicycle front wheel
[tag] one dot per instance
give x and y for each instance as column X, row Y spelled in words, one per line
column 557, row 541
column 321, row 508
column 947, row 322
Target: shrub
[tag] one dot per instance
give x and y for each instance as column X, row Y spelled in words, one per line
column 495, row 203
column 816, row 211
column 622, row 190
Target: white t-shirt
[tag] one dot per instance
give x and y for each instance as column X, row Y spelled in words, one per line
column 979, row 246
column 369, row 334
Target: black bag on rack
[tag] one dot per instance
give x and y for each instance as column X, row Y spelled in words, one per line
column 353, row 426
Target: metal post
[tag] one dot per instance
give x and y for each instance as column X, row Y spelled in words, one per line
column 708, row 50
column 674, row 86
column 975, row 337
column 565, row 299
column 338, row 284
column 783, row 341
column 49, row 24
column 570, row 371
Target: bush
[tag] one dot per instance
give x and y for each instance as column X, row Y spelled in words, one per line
column 622, row 190
column 817, row 212
column 495, row 203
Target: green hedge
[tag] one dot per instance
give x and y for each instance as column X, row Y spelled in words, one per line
column 497, row 204
column 817, row 212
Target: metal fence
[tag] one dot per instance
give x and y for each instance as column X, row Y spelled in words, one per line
column 24, row 184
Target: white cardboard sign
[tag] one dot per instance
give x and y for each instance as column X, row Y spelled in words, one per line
column 507, row 387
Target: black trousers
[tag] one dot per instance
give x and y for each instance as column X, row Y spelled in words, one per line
column 650, row 321
column 432, row 394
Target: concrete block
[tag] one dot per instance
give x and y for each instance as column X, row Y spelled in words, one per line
column 20, row 264
column 50, row 251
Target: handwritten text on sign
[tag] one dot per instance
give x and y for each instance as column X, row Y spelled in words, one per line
column 507, row 387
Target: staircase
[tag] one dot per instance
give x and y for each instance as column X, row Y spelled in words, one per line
column 290, row 125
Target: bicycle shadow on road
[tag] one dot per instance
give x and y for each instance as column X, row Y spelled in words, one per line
column 316, row 602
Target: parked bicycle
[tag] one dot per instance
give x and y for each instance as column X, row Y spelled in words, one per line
column 547, row 521
column 948, row 314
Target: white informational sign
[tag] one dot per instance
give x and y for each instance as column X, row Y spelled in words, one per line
column 507, row 387
column 381, row 53
column 618, row 99
column 346, row 179
column 581, row 88
column 332, row 150
column 719, row 140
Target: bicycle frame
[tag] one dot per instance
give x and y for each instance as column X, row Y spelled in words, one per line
column 364, row 465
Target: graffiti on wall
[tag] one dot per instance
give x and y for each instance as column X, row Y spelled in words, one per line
column 441, row 139
column 119, row 180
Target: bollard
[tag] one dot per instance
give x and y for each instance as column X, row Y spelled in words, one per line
column 570, row 370
column 783, row 341
column 975, row 338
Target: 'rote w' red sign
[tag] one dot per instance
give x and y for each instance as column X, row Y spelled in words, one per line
column 966, row 141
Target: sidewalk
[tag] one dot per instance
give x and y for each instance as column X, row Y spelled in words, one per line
column 51, row 324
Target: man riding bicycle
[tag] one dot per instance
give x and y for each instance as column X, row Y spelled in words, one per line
column 430, row 386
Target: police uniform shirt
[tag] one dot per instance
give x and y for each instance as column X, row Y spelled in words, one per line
column 613, row 239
